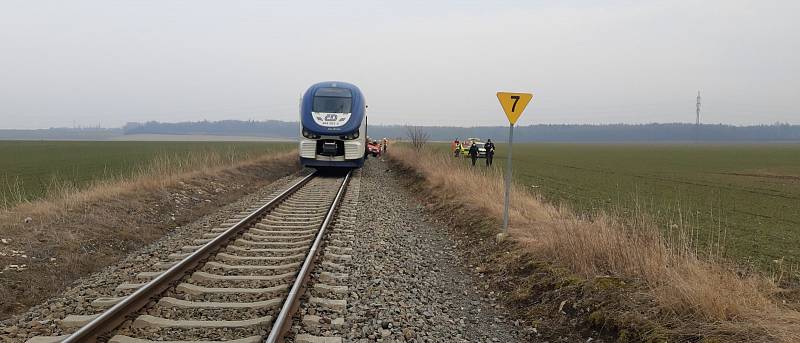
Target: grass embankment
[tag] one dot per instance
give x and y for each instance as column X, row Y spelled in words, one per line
column 746, row 197
column 32, row 170
column 620, row 275
column 76, row 231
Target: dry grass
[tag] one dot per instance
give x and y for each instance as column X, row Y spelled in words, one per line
column 74, row 232
column 692, row 293
column 163, row 169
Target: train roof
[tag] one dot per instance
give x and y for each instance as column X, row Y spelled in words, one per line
column 335, row 84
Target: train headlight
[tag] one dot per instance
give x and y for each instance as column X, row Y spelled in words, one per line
column 348, row 137
column 309, row 135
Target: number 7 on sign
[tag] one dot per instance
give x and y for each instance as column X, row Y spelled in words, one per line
column 516, row 99
column 513, row 104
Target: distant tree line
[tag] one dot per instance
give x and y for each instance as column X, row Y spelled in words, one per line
column 60, row 133
column 269, row 128
column 612, row 132
column 531, row 133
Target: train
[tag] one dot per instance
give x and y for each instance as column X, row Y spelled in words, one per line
column 333, row 119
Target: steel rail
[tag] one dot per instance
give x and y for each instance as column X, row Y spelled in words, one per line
column 283, row 321
column 117, row 314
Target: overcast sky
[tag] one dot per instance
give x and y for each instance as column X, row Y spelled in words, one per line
column 65, row 63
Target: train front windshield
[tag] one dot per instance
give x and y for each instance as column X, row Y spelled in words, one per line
column 332, row 100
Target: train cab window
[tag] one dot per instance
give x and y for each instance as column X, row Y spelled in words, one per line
column 332, row 100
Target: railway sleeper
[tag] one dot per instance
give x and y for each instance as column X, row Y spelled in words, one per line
column 47, row 339
column 74, row 321
column 179, row 303
column 347, row 222
column 306, row 338
column 282, row 226
column 341, row 237
column 338, row 229
column 329, row 291
column 305, row 206
column 292, row 221
column 335, row 305
column 333, row 278
column 290, row 211
column 200, row 290
column 286, row 211
column 235, row 248
column 290, row 233
column 310, row 199
column 282, row 237
column 219, row 230
column 106, row 302
column 252, row 268
column 299, row 212
column 286, row 232
column 228, row 257
column 148, row 275
column 128, row 287
column 274, row 251
column 242, row 241
column 203, row 276
column 127, row 339
column 148, row 321
column 337, row 258
column 190, row 248
column 328, row 265
column 296, row 217
column 164, row 265
column 339, row 249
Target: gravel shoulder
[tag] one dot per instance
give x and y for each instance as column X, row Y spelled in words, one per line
column 408, row 282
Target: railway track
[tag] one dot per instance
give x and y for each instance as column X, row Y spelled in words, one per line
column 241, row 282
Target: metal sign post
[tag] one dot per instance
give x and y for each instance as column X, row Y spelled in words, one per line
column 508, row 178
column 513, row 104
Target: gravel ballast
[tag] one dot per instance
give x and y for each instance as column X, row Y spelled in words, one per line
column 407, row 282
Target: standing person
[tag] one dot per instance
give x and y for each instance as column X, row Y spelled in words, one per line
column 473, row 153
column 489, row 146
column 455, row 148
column 385, row 143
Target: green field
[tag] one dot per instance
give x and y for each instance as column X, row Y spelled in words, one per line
column 31, row 169
column 747, row 194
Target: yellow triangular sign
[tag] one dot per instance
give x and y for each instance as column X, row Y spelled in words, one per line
column 513, row 104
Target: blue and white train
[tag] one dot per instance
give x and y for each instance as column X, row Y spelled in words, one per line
column 333, row 116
